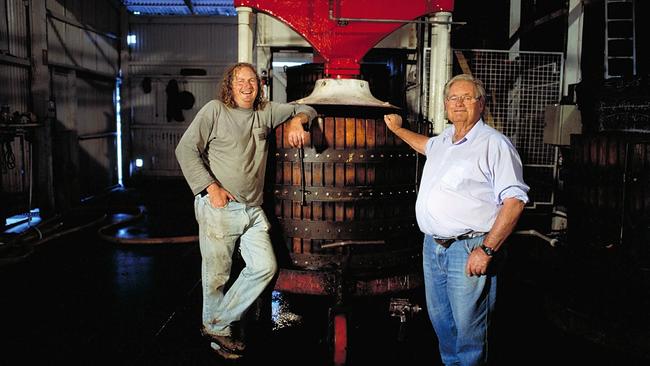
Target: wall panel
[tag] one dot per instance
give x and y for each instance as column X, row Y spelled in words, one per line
column 165, row 46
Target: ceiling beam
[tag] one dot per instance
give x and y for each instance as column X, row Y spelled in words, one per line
column 188, row 3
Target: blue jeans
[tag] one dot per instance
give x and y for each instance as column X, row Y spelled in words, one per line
column 459, row 306
column 219, row 230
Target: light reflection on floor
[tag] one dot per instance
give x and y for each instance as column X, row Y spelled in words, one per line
column 281, row 312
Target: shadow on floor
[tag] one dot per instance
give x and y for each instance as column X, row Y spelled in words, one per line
column 78, row 299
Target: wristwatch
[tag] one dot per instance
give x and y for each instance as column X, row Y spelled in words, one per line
column 487, row 250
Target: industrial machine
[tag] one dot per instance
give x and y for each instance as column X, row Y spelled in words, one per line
column 345, row 203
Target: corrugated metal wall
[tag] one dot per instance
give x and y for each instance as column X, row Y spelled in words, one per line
column 83, row 34
column 83, row 54
column 17, row 28
column 14, row 72
column 165, row 46
column 15, row 167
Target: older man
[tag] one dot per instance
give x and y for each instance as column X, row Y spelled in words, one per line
column 223, row 156
column 470, row 199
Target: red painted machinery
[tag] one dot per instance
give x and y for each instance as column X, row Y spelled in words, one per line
column 343, row 31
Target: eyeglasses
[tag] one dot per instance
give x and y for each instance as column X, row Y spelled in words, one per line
column 465, row 99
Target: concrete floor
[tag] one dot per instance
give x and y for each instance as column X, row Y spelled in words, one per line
column 78, row 299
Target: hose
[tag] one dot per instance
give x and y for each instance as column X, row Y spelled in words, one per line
column 161, row 240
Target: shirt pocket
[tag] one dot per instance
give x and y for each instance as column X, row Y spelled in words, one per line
column 261, row 133
column 455, row 175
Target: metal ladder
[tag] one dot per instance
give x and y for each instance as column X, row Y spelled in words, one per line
column 620, row 46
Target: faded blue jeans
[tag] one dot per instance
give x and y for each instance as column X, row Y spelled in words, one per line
column 459, row 306
column 219, row 229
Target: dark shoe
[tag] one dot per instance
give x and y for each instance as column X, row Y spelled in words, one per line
column 224, row 353
column 230, row 343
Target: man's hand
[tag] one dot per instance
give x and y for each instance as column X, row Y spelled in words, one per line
column 219, row 197
column 477, row 263
column 295, row 133
column 393, row 121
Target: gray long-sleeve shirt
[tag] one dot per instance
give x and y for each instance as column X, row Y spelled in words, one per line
column 230, row 146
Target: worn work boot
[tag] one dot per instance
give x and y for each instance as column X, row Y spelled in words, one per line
column 229, row 343
column 223, row 352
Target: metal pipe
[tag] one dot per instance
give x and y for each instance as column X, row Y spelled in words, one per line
column 303, row 192
column 551, row 241
column 345, row 243
column 244, row 34
column 343, row 21
column 100, row 135
column 439, row 71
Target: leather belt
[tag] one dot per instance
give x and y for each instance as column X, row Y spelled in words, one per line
column 448, row 241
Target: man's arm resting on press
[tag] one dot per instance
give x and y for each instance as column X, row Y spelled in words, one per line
column 295, row 131
column 417, row 141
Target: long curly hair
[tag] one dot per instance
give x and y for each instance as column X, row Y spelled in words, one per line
column 226, row 93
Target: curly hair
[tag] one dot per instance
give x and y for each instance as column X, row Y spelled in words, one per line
column 226, row 94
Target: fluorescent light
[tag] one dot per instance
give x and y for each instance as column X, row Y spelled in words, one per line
column 286, row 63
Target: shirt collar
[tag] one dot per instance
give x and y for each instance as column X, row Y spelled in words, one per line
column 449, row 132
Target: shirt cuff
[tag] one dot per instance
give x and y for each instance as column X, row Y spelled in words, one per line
column 513, row 192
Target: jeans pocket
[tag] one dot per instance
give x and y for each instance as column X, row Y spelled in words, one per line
column 219, row 222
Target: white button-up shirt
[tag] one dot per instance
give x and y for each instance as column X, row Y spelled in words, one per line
column 464, row 183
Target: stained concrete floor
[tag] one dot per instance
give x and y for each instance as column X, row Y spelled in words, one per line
column 78, row 299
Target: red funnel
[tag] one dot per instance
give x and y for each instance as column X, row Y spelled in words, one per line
column 343, row 31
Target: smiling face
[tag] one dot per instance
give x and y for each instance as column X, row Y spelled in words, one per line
column 463, row 111
column 244, row 87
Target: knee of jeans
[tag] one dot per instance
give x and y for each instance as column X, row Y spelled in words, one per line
column 271, row 269
column 214, row 282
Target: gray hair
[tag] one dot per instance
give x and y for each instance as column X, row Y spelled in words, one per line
column 478, row 84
